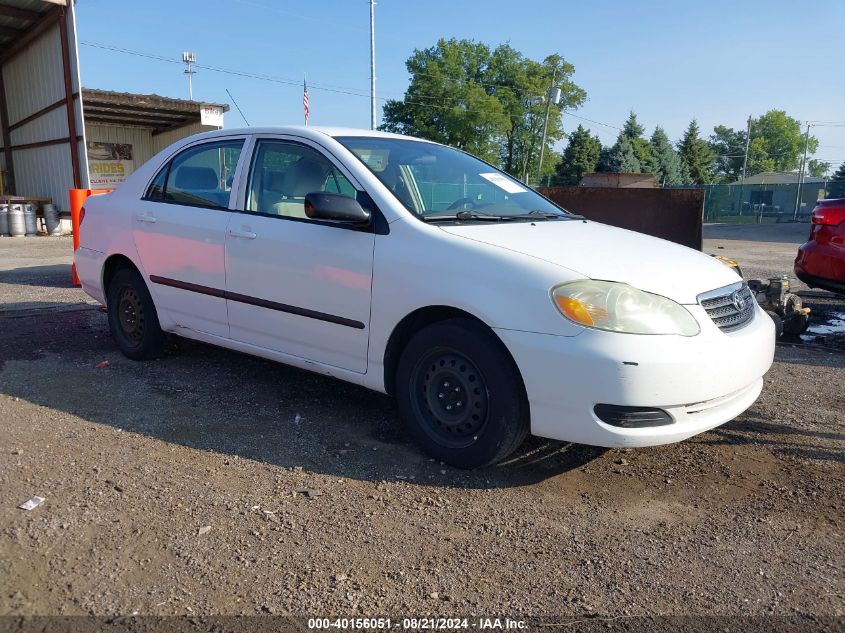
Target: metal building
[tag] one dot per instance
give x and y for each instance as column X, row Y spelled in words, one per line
column 55, row 136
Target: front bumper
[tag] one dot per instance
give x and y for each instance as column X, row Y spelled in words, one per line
column 701, row 381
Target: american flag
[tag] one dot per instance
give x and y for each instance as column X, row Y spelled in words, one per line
column 305, row 100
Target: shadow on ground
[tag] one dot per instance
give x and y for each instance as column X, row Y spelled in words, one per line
column 208, row 398
column 52, row 276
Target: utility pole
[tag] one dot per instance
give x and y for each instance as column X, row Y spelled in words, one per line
column 745, row 161
column 554, row 94
column 801, row 173
column 372, row 64
column 190, row 59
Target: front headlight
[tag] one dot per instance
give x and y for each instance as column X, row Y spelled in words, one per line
column 618, row 307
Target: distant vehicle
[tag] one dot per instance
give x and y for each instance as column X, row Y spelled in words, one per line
column 821, row 260
column 415, row 269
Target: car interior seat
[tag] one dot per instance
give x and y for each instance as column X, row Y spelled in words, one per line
column 303, row 177
column 197, row 185
column 272, row 190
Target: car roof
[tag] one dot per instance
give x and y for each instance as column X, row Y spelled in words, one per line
column 312, row 132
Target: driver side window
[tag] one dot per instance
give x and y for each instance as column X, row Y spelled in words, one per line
column 283, row 173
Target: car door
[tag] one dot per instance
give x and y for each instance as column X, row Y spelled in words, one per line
column 179, row 229
column 296, row 285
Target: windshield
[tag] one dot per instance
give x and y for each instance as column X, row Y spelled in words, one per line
column 435, row 181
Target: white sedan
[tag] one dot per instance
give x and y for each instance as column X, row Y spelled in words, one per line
column 415, row 269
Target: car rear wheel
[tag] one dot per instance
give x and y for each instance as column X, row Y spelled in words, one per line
column 461, row 395
column 133, row 320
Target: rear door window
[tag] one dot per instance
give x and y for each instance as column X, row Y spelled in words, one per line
column 199, row 176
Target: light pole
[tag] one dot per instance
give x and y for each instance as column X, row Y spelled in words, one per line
column 190, row 59
column 801, row 174
column 554, row 95
column 745, row 161
column 372, row 64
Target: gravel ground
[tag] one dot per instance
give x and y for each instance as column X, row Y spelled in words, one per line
column 209, row 482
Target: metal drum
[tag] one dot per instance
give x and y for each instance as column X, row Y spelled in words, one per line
column 30, row 221
column 51, row 219
column 17, row 224
column 4, row 219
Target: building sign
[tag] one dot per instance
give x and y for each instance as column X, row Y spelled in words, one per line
column 109, row 164
column 211, row 115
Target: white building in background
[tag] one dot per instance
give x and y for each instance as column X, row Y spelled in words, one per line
column 55, row 136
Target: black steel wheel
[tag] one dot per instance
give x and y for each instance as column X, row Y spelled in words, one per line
column 461, row 394
column 130, row 314
column 133, row 320
column 451, row 396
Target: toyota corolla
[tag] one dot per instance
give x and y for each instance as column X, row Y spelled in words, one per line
column 415, row 269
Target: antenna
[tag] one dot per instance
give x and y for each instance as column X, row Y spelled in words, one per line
column 190, row 59
column 237, row 106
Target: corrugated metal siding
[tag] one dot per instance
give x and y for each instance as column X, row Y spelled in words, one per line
column 44, row 172
column 160, row 141
column 140, row 138
column 35, row 78
column 46, row 127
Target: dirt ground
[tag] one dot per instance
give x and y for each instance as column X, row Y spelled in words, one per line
column 175, row 486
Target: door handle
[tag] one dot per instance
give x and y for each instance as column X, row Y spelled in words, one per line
column 143, row 217
column 247, row 235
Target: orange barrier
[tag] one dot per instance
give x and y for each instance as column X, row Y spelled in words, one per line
column 77, row 199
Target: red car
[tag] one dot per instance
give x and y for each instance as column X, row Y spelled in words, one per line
column 821, row 260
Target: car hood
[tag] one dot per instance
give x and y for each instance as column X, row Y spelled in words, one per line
column 599, row 251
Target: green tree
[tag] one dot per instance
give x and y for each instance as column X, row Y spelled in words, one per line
column 777, row 143
column 728, row 148
column 581, row 156
column 631, row 153
column 447, row 102
column 696, row 156
column 836, row 184
column 633, row 131
column 667, row 167
column 817, row 168
column 487, row 102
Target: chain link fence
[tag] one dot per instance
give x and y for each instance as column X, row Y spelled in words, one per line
column 761, row 203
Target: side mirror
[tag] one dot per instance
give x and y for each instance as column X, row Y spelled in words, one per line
column 335, row 207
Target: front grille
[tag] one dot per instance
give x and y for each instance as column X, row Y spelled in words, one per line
column 721, row 306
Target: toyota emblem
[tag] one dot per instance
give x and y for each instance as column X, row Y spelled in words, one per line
column 738, row 301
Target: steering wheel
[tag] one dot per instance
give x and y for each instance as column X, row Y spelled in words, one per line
column 461, row 202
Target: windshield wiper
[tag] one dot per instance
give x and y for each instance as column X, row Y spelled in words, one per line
column 466, row 216
column 537, row 213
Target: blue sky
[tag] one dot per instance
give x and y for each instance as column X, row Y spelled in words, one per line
column 669, row 61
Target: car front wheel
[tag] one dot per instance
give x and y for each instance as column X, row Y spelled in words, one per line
column 461, row 394
column 133, row 320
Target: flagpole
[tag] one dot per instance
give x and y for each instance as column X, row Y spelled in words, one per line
column 304, row 97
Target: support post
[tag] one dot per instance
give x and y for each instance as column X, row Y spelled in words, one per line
column 69, row 104
column 7, row 140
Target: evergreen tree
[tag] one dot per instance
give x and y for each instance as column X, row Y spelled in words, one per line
column 668, row 168
column 631, row 153
column 836, row 184
column 581, row 156
column 696, row 156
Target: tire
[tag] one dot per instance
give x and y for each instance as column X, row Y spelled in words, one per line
column 461, row 395
column 133, row 320
column 778, row 321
